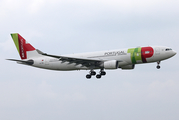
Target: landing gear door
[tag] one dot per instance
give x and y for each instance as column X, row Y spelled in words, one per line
column 157, row 51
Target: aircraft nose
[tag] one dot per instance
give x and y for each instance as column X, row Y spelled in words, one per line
column 174, row 52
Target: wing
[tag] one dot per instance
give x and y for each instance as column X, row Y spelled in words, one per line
column 87, row 62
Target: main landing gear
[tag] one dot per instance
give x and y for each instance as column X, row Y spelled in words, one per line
column 158, row 65
column 93, row 73
column 88, row 76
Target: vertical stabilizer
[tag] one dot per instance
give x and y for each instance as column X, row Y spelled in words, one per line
column 26, row 50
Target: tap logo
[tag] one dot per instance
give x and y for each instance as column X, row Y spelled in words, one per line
column 22, row 46
column 140, row 54
column 22, row 49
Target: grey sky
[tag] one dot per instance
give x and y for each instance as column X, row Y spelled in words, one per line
column 67, row 26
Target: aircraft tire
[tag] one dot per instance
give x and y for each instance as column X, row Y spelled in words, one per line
column 98, row 76
column 88, row 76
column 103, row 73
column 158, row 67
column 93, row 73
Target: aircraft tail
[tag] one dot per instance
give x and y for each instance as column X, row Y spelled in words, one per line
column 26, row 50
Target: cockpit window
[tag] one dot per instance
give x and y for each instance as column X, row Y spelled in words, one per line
column 168, row 49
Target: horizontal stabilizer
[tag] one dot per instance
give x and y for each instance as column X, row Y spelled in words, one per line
column 40, row 52
column 28, row 62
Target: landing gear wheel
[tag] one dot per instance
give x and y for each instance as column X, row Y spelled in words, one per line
column 92, row 73
column 88, row 76
column 98, row 76
column 158, row 67
column 103, row 73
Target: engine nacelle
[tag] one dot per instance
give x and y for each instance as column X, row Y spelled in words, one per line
column 111, row 64
column 128, row 67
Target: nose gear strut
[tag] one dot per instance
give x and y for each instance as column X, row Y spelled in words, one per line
column 158, row 65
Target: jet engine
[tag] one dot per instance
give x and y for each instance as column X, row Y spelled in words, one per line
column 111, row 64
column 128, row 67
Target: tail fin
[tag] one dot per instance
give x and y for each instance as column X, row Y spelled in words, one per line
column 26, row 50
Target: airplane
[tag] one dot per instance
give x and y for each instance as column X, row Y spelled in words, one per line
column 125, row 59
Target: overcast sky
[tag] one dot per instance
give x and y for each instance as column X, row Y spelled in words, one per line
column 74, row 26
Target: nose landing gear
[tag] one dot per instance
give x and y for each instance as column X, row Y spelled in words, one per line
column 158, row 65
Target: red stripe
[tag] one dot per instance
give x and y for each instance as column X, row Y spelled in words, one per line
column 24, row 47
column 150, row 52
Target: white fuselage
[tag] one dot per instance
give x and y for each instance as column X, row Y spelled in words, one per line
column 124, row 56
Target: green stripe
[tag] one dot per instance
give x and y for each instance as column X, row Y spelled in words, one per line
column 131, row 51
column 135, row 54
column 138, row 54
column 15, row 39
